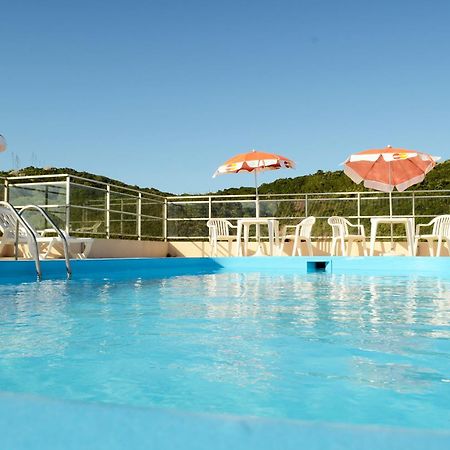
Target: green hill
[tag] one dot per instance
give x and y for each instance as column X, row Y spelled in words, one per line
column 28, row 171
column 321, row 181
column 337, row 181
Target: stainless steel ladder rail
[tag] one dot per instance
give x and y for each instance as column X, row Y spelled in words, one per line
column 30, row 234
column 56, row 229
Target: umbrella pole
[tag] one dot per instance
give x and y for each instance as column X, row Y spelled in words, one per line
column 390, row 204
column 392, row 226
column 259, row 251
column 257, row 197
column 258, row 236
column 390, row 207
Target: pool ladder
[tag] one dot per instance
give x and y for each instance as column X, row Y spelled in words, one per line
column 13, row 223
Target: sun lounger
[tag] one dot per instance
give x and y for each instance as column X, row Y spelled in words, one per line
column 14, row 231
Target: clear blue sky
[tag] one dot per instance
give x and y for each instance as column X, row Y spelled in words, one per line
column 159, row 93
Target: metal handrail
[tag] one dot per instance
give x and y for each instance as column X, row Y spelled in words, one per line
column 56, row 229
column 30, row 233
column 182, row 198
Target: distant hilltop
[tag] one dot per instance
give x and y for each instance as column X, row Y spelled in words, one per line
column 330, row 181
column 28, row 171
column 337, row 181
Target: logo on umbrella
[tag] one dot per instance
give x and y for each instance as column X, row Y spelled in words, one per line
column 400, row 156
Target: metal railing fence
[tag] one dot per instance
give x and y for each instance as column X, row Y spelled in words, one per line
column 82, row 206
column 187, row 216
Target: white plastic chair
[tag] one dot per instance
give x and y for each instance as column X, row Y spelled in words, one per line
column 219, row 230
column 302, row 233
column 439, row 233
column 340, row 225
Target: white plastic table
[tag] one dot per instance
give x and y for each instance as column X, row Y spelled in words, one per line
column 273, row 232
column 409, row 229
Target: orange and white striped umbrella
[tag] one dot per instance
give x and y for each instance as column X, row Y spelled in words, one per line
column 254, row 161
column 389, row 168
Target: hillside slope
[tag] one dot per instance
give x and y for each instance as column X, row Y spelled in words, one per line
column 337, row 181
column 28, row 171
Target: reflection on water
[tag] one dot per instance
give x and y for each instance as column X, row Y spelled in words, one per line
column 402, row 378
column 345, row 348
column 34, row 320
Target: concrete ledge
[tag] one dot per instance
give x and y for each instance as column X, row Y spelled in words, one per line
column 107, row 248
column 117, row 248
column 14, row 271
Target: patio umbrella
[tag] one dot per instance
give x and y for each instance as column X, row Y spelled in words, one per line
column 254, row 161
column 2, row 143
column 389, row 168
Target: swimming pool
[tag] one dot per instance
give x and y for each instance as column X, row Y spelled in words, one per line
column 286, row 341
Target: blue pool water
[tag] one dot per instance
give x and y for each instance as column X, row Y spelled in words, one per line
column 342, row 348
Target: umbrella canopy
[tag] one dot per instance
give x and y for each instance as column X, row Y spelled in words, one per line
column 389, row 168
column 2, row 143
column 254, row 161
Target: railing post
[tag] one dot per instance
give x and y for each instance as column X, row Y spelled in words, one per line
column 67, row 227
column 306, row 205
column 209, row 207
column 139, row 212
column 121, row 216
column 414, row 206
column 6, row 191
column 165, row 220
column 108, row 216
column 359, row 207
